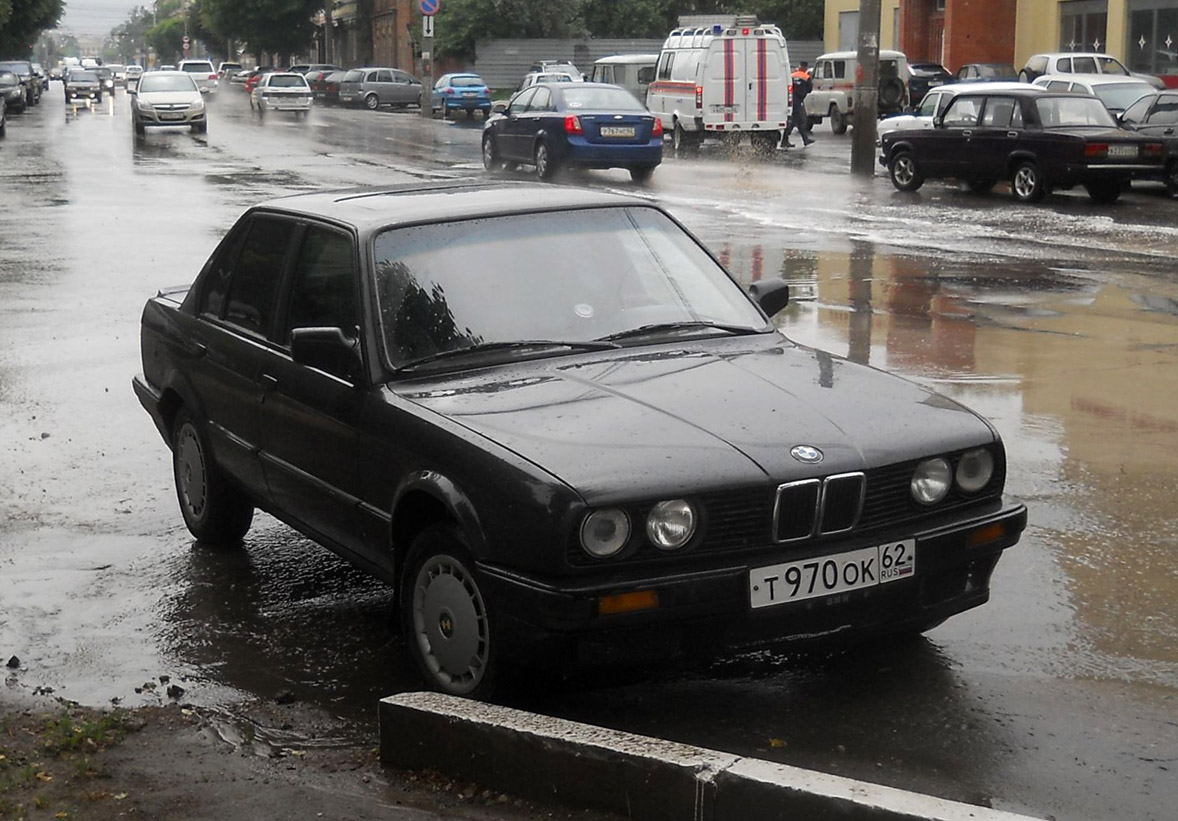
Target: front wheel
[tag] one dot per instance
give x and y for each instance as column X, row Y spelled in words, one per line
column 838, row 120
column 904, row 171
column 445, row 616
column 214, row 510
column 372, row 102
column 544, row 162
column 1171, row 179
column 491, row 159
column 1026, row 185
column 1104, row 192
column 200, row 128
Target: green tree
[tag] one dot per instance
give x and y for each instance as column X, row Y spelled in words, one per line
column 461, row 22
column 269, row 26
column 167, row 38
column 22, row 21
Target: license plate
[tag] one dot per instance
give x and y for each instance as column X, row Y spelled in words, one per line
column 617, row 131
column 167, row 116
column 470, row 94
column 830, row 575
column 1122, row 151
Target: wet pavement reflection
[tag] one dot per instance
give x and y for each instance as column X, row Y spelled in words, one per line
column 1059, row 323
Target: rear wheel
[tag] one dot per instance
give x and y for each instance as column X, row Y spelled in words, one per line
column 905, row 173
column 682, row 140
column 1171, row 178
column 838, row 120
column 214, row 510
column 372, row 102
column 1104, row 191
column 544, row 162
column 766, row 142
column 1026, row 184
column 642, row 173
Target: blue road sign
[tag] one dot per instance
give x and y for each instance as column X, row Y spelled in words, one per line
column 429, row 7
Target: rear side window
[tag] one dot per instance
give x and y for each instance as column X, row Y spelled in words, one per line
column 1084, row 65
column 664, row 66
column 999, row 111
column 1166, row 113
column 1038, row 65
column 253, row 286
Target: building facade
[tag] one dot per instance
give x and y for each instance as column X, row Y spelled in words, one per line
column 1142, row 33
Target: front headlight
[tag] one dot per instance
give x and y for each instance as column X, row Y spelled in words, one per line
column 974, row 470
column 670, row 525
column 931, row 481
column 605, row 532
column 197, row 104
column 143, row 104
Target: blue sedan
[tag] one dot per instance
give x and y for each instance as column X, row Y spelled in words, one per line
column 587, row 125
column 461, row 92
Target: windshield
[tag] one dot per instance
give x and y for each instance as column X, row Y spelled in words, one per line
column 165, row 82
column 83, row 77
column 567, row 276
column 1070, row 112
column 1121, row 95
column 601, row 99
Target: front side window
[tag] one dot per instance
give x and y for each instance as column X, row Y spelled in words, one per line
column 1110, row 65
column 541, row 100
column 323, row 291
column 253, row 287
column 568, row 276
column 1166, row 112
column 963, row 112
column 520, row 104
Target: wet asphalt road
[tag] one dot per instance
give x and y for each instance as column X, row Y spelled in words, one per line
column 1059, row 322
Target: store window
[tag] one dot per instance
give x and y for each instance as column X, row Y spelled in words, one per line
column 1082, row 25
column 1153, row 36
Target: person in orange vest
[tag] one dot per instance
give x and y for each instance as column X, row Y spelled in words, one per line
column 802, row 85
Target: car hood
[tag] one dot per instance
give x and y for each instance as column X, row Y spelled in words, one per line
column 170, row 97
column 672, row 419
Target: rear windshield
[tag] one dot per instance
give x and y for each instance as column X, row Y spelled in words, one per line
column 287, row 82
column 467, row 81
column 198, row 68
column 601, row 99
column 1121, row 95
column 1070, row 112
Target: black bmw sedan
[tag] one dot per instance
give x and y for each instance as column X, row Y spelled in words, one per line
column 562, row 432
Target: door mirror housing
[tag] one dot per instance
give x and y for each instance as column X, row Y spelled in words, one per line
column 327, row 349
column 772, row 295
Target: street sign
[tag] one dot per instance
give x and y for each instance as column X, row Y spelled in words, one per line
column 427, row 26
column 429, row 7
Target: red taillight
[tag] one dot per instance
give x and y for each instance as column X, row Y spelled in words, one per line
column 745, row 32
column 572, row 125
column 1154, row 150
column 212, row 76
column 449, row 92
column 657, row 131
column 1095, row 150
column 699, row 96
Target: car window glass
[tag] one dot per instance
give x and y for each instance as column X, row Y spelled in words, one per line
column 664, row 66
column 645, row 75
column 620, row 269
column 541, row 100
column 1038, row 65
column 1064, row 66
column 1058, row 85
column 963, row 111
column 998, row 112
column 1166, row 113
column 1108, row 65
column 384, row 77
column 1016, row 118
column 215, row 283
column 1084, row 65
column 840, row 69
column 323, row 293
column 931, row 103
column 443, row 81
column 253, row 288
column 520, row 103
column 1137, row 112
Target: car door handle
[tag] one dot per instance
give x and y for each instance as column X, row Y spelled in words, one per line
column 1011, row 133
column 1168, row 131
column 967, row 133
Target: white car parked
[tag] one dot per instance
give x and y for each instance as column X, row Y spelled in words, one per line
column 1115, row 91
column 282, row 91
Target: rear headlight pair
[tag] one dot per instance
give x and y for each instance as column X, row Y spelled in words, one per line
column 669, row 526
column 933, row 478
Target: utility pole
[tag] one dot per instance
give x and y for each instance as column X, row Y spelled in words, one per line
column 428, row 9
column 328, row 35
column 866, row 90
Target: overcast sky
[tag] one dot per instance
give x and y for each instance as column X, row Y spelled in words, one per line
column 97, row 17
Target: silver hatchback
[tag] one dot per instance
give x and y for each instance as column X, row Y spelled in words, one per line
column 376, row 87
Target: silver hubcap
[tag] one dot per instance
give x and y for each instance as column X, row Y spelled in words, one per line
column 450, row 624
column 1024, row 182
column 541, row 161
column 488, row 155
column 190, row 471
column 903, row 171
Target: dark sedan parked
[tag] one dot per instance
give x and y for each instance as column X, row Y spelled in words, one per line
column 588, row 125
column 12, row 91
column 29, row 80
column 1156, row 115
column 562, row 432
column 1038, row 141
column 922, row 77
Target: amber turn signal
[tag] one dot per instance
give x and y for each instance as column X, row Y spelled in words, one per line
column 985, row 535
column 627, row 602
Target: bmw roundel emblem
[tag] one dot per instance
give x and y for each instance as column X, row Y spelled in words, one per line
column 806, row 453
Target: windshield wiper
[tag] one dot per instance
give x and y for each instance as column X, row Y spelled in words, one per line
column 525, row 345
column 673, row 327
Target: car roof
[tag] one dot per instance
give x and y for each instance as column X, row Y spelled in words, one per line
column 627, row 59
column 1000, row 85
column 369, row 209
column 849, row 55
column 1092, row 79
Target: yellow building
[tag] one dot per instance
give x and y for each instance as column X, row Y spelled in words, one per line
column 1141, row 33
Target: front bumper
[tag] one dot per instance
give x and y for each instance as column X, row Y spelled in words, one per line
column 155, row 117
column 708, row 612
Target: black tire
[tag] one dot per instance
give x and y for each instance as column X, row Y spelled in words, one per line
column 448, row 622
column 904, row 171
column 981, row 185
column 1026, row 183
column 641, row 174
column 1025, row 76
column 683, row 141
column 544, row 161
column 1104, row 192
column 891, row 94
column 765, row 143
column 200, row 128
column 1171, row 178
column 140, row 129
column 215, row 511
column 838, row 120
column 372, row 102
column 492, row 162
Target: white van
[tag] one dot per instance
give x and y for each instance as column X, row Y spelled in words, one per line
column 633, row 72
column 722, row 80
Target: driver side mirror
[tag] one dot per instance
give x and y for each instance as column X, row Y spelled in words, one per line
column 327, row 349
column 498, row 108
column 771, row 294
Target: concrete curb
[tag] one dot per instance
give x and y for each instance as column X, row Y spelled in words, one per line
column 634, row 776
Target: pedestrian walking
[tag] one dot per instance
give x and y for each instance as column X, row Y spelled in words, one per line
column 802, row 85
